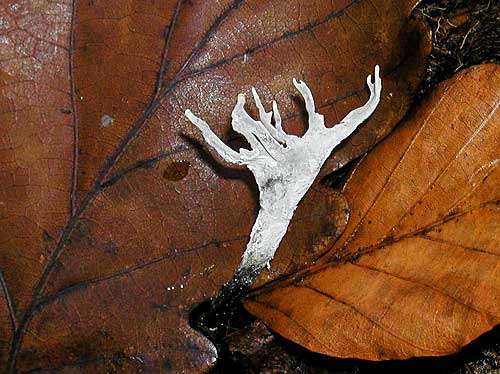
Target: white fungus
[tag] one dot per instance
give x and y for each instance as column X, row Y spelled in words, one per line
column 284, row 165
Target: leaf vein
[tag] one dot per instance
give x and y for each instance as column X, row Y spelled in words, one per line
column 435, row 289
column 10, row 303
column 371, row 320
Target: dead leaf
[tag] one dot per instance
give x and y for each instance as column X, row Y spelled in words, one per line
column 106, row 246
column 417, row 270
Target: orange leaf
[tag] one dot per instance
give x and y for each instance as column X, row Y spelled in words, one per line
column 417, row 270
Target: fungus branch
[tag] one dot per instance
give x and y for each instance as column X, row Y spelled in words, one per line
column 284, row 167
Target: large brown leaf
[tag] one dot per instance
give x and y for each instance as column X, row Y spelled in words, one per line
column 114, row 222
column 417, row 270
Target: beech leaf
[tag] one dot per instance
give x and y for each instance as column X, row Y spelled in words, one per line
column 417, row 270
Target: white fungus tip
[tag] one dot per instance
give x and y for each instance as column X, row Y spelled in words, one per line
column 189, row 115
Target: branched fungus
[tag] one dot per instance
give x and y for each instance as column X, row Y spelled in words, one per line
column 284, row 167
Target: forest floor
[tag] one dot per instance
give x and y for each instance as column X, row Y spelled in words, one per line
column 465, row 33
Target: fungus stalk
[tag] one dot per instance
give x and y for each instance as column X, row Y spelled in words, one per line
column 284, row 167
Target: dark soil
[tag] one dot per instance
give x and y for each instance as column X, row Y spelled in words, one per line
column 465, row 33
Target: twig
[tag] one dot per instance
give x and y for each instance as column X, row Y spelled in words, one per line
column 466, row 35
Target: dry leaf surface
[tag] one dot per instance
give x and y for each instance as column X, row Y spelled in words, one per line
column 114, row 221
column 417, row 270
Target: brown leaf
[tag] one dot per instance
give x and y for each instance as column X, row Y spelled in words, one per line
column 115, row 222
column 417, row 270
